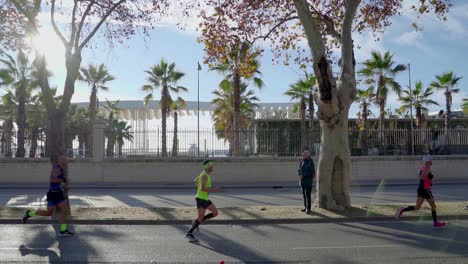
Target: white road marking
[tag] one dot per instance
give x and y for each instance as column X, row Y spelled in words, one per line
column 346, row 247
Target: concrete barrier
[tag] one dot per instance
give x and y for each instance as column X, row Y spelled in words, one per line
column 229, row 171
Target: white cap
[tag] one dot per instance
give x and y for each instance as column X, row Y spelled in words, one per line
column 427, row 158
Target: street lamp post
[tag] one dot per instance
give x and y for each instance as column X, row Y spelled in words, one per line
column 411, row 108
column 198, row 108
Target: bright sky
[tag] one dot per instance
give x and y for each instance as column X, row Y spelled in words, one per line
column 440, row 47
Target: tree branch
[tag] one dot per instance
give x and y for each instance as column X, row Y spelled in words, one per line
column 348, row 73
column 100, row 24
column 284, row 20
column 54, row 25
column 80, row 27
column 322, row 69
column 327, row 21
column 73, row 25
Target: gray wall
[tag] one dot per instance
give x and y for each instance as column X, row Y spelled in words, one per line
column 232, row 171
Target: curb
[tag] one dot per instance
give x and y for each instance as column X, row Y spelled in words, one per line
column 234, row 222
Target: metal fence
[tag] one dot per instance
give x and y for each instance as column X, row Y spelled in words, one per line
column 285, row 142
column 37, row 146
column 290, row 142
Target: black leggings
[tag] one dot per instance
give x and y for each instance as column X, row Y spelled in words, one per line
column 307, row 194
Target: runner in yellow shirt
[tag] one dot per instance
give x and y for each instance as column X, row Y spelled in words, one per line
column 203, row 183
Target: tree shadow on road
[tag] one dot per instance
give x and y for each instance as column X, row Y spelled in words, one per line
column 417, row 234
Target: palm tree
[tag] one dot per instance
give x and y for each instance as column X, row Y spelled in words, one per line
column 303, row 92
column 447, row 82
column 121, row 132
column 8, row 114
column 112, row 109
column 223, row 114
column 163, row 76
column 96, row 77
column 176, row 106
column 239, row 66
column 465, row 104
column 364, row 98
column 379, row 73
column 420, row 98
column 36, row 122
column 18, row 75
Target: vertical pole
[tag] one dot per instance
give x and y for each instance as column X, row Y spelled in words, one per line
column 411, row 108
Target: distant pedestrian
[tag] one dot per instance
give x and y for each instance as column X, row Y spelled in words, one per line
column 55, row 197
column 424, row 193
column 306, row 175
column 204, row 187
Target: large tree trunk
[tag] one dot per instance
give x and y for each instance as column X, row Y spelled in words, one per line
column 69, row 140
column 334, row 166
column 34, row 137
column 57, row 136
column 175, row 142
column 236, row 83
column 21, row 121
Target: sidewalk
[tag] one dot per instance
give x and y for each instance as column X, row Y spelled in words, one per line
column 240, row 215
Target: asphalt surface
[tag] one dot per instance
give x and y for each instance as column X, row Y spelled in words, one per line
column 344, row 243
column 228, row 198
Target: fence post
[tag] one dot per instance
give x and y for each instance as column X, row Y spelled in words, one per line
column 99, row 126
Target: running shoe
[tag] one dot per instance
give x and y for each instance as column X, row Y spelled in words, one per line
column 303, row 210
column 66, row 233
column 398, row 213
column 439, row 224
column 191, row 237
column 25, row 217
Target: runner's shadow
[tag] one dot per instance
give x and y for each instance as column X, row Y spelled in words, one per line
column 76, row 249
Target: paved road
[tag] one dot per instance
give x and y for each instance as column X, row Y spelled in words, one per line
column 345, row 243
column 228, row 198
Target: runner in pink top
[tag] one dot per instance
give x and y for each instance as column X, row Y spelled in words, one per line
column 424, row 193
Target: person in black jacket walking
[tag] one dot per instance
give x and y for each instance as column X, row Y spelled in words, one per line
column 306, row 175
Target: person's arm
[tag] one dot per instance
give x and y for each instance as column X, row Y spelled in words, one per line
column 209, row 190
column 300, row 171
column 424, row 174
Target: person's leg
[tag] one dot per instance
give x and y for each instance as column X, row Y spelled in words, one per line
column 400, row 211
column 31, row 213
column 303, row 188
column 433, row 209
column 214, row 212
column 196, row 222
column 63, row 215
column 309, row 197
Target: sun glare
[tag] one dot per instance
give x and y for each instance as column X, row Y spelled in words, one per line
column 48, row 43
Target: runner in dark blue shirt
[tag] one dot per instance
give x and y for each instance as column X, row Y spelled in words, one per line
column 55, row 197
column 306, row 175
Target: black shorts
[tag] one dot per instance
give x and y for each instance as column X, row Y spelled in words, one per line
column 54, row 198
column 426, row 194
column 203, row 203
